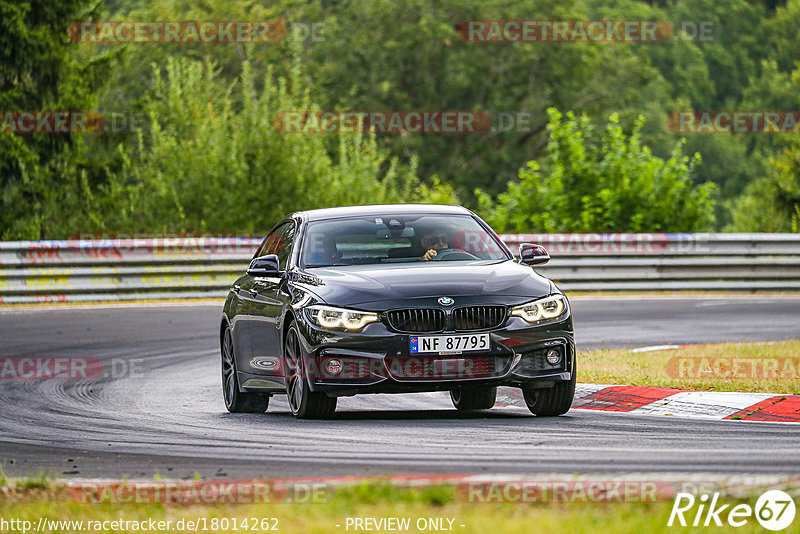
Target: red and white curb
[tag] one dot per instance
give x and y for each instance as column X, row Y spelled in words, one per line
column 702, row 404
column 641, row 400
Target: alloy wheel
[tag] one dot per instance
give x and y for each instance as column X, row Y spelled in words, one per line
column 294, row 372
column 228, row 369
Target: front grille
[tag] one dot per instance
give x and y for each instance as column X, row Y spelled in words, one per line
column 478, row 317
column 416, row 320
column 447, row 368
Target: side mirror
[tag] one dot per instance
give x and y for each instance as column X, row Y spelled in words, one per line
column 264, row 266
column 531, row 254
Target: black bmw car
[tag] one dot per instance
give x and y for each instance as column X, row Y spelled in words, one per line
column 394, row 299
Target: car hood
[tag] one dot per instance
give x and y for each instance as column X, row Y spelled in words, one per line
column 372, row 284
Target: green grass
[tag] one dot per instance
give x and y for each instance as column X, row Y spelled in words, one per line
column 41, row 481
column 762, row 367
column 378, row 500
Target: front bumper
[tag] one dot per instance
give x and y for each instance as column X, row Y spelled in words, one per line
column 378, row 360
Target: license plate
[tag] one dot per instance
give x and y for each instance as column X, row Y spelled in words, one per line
column 454, row 344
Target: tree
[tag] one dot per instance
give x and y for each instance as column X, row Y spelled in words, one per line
column 772, row 203
column 389, row 55
column 590, row 181
column 213, row 160
column 41, row 70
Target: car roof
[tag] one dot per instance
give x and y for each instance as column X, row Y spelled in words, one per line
column 381, row 209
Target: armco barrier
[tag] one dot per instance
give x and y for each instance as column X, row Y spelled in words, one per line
column 81, row 270
column 655, row 262
column 121, row 269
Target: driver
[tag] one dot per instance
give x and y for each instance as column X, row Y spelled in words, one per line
column 431, row 242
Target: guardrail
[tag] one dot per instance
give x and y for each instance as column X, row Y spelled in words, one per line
column 124, row 269
column 656, row 262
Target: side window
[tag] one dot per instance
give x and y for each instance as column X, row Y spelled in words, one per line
column 279, row 241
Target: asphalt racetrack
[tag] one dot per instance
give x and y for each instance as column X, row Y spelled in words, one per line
column 160, row 409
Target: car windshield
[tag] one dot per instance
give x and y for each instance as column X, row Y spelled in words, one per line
column 398, row 239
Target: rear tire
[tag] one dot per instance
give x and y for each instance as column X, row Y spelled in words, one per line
column 304, row 403
column 468, row 398
column 556, row 400
column 237, row 401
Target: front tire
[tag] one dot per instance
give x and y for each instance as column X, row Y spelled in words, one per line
column 237, row 401
column 304, row 403
column 467, row 398
column 556, row 400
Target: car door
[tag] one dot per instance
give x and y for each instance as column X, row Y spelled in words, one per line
column 268, row 296
column 241, row 318
column 245, row 313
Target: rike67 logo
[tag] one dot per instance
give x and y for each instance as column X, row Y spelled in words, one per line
column 774, row 510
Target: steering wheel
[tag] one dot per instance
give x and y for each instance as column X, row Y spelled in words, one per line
column 453, row 254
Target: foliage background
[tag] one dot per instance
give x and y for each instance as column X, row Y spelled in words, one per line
column 595, row 155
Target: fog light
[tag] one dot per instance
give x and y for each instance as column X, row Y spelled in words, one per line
column 553, row 356
column 333, row 367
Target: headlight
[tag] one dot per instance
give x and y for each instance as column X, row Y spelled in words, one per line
column 543, row 309
column 338, row 318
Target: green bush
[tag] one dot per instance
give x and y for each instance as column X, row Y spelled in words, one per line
column 771, row 203
column 591, row 181
column 212, row 160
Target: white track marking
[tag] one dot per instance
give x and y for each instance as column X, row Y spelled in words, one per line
column 712, row 404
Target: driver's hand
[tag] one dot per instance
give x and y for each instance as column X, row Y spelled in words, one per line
column 428, row 256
